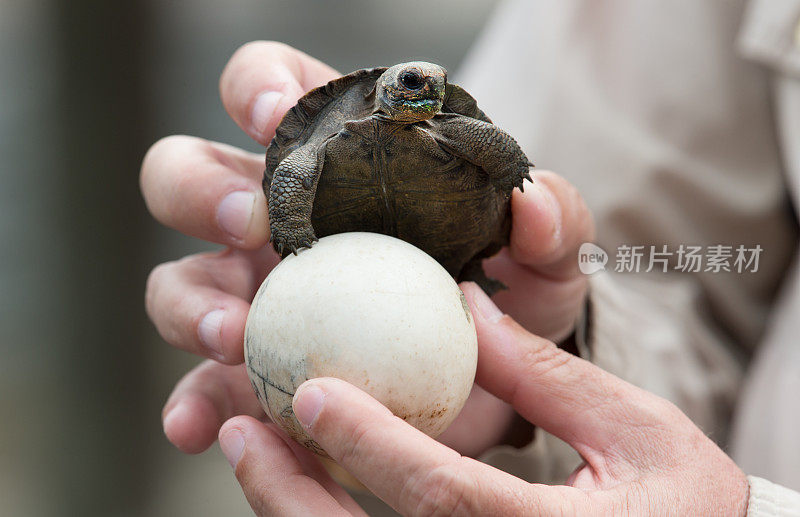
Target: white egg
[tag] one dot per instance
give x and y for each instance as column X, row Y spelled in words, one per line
column 369, row 309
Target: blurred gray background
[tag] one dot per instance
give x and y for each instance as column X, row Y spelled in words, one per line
column 85, row 88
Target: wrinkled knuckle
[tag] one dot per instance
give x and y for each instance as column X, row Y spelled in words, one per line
column 543, row 357
column 445, row 490
column 540, row 359
column 358, row 444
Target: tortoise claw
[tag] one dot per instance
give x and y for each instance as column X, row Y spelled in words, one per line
column 514, row 180
column 293, row 239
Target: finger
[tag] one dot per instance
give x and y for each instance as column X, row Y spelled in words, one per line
column 407, row 469
column 272, row 478
column 207, row 190
column 567, row 396
column 550, row 222
column 200, row 304
column 544, row 305
column 206, row 397
column 263, row 80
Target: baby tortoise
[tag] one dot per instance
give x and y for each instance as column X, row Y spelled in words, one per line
column 397, row 151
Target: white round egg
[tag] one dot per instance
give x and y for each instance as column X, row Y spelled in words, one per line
column 372, row 310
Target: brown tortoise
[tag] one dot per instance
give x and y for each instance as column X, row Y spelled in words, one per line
column 397, row 151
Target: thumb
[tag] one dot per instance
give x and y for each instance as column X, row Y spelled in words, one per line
column 409, row 470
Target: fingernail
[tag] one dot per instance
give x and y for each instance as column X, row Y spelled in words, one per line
column 232, row 445
column 210, row 331
column 263, row 110
column 307, row 404
column 486, row 307
column 235, row 213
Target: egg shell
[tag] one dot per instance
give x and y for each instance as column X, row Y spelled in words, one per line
column 369, row 309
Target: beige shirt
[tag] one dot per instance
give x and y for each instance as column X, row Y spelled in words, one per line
column 679, row 122
column 767, row 421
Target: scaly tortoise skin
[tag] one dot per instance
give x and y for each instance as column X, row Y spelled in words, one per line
column 397, row 151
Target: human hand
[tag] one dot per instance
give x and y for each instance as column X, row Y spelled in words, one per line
column 642, row 456
column 213, row 191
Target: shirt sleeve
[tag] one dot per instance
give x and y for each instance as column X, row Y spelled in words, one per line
column 764, row 439
column 770, row 500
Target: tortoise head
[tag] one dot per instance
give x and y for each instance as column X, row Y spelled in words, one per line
column 411, row 92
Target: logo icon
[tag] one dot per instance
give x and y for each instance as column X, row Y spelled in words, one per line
column 591, row 258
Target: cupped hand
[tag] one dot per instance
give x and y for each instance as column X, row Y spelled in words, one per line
column 642, row 456
column 213, row 191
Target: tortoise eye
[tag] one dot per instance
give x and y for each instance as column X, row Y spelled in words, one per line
column 411, row 79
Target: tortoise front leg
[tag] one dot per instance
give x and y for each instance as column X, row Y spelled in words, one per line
column 473, row 272
column 485, row 145
column 291, row 198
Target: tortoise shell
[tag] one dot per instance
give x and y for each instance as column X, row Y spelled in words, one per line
column 397, row 179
